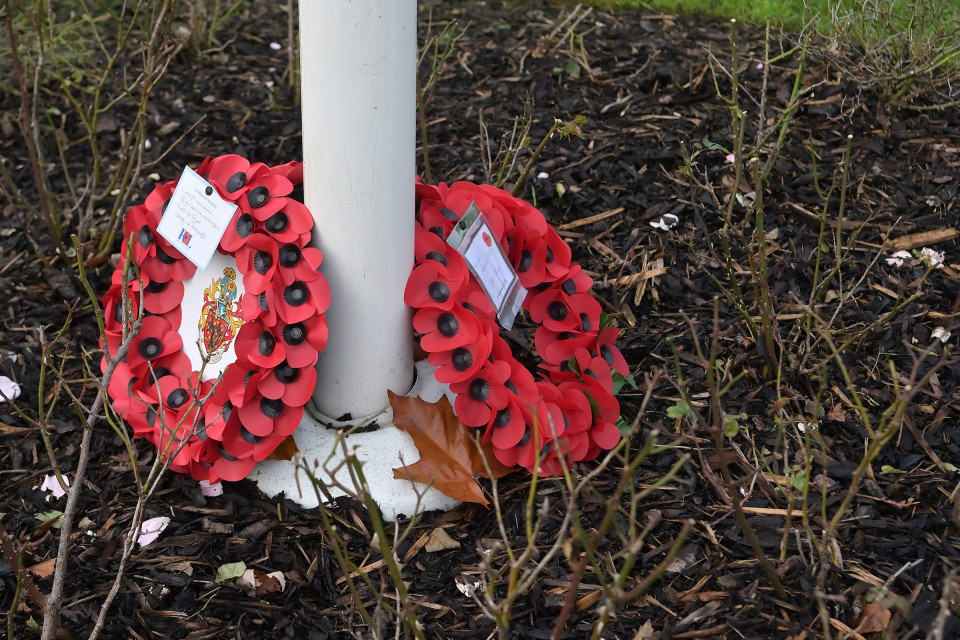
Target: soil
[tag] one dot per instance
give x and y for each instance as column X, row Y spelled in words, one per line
column 647, row 87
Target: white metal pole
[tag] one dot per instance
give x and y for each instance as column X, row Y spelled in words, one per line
column 358, row 66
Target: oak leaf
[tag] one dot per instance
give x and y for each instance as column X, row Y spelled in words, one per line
column 450, row 458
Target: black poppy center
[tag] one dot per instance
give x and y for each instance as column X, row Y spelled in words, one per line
column 462, row 359
column 285, row 373
column 526, row 261
column 606, row 354
column 502, row 419
column 258, row 196
column 447, row 325
column 151, row 416
column 549, row 254
column 262, row 262
column 557, row 310
column 236, row 181
column 439, row 257
column 585, row 322
column 296, row 294
column 449, row 214
column 294, row 334
column 178, row 397
column 525, row 439
column 271, row 408
column 509, row 385
column 277, row 222
column 438, row 291
column 145, row 236
column 266, row 343
column 244, row 225
column 479, row 389
column 223, row 452
column 150, row 348
column 438, row 231
column 249, row 437
column 569, row 286
column 289, row 256
column 164, row 258
column 155, row 287
column 262, row 301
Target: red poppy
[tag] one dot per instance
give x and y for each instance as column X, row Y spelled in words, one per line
column 528, row 253
column 292, row 223
column 298, row 263
column 257, row 346
column 292, row 171
column 446, row 330
column 230, row 175
column 460, row 363
column 605, row 434
column 301, row 299
column 506, row 425
column 261, row 306
column 479, row 397
column 458, row 196
column 265, row 195
column 217, row 411
column 162, row 297
column 231, row 468
column 243, row 444
column 121, row 390
column 428, row 246
column 265, row 416
column 258, row 261
column 113, row 312
column 556, row 348
column 304, row 339
column 155, row 339
column 241, row 226
column 430, row 285
column 558, row 256
column 607, row 350
column 241, row 384
column 158, row 259
column 473, row 298
column 292, row 385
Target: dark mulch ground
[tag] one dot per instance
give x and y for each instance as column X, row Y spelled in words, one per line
column 646, row 88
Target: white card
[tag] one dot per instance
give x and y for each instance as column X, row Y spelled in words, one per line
column 478, row 245
column 196, row 218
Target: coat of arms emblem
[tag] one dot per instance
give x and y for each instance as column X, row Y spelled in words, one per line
column 220, row 317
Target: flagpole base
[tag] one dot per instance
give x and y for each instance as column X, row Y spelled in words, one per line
column 378, row 444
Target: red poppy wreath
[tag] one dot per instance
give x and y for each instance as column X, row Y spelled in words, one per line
column 277, row 326
column 571, row 410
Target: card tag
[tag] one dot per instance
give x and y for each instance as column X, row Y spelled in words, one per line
column 196, row 218
column 474, row 240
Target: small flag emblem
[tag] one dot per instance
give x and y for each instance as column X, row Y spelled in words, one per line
column 185, row 237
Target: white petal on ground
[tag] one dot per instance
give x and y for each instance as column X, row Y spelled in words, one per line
column 941, row 334
column 666, row 222
column 51, row 484
column 151, row 529
column 9, row 390
column 211, row 490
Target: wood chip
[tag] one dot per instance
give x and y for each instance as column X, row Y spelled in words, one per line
column 922, row 239
column 591, row 219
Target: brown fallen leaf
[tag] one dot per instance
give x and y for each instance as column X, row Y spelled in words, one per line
column 450, row 459
column 285, row 450
column 43, row 569
column 874, row 619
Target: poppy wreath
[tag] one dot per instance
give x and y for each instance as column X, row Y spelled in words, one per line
column 570, row 411
column 218, row 432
